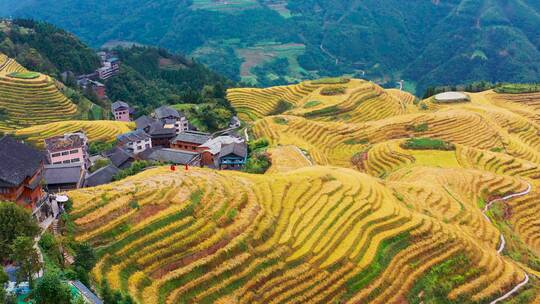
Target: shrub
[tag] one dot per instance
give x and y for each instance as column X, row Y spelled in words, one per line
column 517, row 88
column 258, row 144
column 281, row 107
column 423, row 127
column 280, row 120
column 258, row 163
column 331, row 80
column 331, row 91
column 137, row 167
column 428, row 144
column 311, row 104
column 24, row 75
column 100, row 163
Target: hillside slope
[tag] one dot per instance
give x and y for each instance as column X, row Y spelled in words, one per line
column 29, row 98
column 428, row 203
column 276, row 42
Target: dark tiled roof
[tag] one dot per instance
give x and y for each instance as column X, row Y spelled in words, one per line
column 101, row 176
column 119, row 104
column 17, row 161
column 63, row 174
column 133, row 136
column 168, row 155
column 195, row 137
column 118, row 156
column 164, row 112
column 234, row 148
column 143, row 122
column 157, row 129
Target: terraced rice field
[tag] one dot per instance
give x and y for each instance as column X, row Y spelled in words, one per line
column 310, row 235
column 28, row 102
column 347, row 213
column 96, row 130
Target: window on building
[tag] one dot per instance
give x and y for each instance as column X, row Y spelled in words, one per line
column 73, row 151
column 147, row 146
column 56, row 154
column 57, row 163
column 75, row 160
column 66, row 161
column 139, row 147
column 65, row 153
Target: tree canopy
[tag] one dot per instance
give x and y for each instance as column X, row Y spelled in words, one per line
column 15, row 221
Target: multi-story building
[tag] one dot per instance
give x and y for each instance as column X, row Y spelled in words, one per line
column 109, row 68
column 135, row 142
column 20, row 173
column 67, row 149
column 120, row 111
column 189, row 140
column 172, row 119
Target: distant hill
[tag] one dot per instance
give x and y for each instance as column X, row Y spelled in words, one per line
column 149, row 77
column 426, row 43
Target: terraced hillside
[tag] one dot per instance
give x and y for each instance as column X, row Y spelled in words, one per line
column 28, row 98
column 348, row 100
column 313, row 235
column 96, row 130
column 380, row 199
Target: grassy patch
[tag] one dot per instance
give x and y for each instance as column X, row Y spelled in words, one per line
column 322, row 112
column 428, row 144
column 281, row 107
column 354, row 141
column 423, row 127
column 518, row 88
column 311, row 104
column 333, row 91
column 24, row 75
column 280, row 121
column 437, row 283
column 331, row 80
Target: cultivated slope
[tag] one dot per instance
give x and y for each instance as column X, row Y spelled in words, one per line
column 313, row 235
column 27, row 101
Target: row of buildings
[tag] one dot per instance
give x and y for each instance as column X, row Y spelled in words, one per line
column 27, row 175
column 110, row 66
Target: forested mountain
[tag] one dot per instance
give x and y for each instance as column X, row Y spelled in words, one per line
column 273, row 41
column 149, row 77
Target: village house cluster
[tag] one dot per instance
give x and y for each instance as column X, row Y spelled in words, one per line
column 110, row 66
column 28, row 175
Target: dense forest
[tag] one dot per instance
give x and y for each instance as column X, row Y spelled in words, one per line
column 149, row 77
column 425, row 43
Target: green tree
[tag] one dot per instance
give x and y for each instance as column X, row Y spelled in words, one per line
column 3, row 280
column 14, row 221
column 107, row 294
column 51, row 289
column 85, row 257
column 26, row 256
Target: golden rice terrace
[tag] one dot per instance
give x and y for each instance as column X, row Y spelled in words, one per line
column 373, row 196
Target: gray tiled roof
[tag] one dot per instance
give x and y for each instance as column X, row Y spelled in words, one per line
column 132, row 136
column 101, row 176
column 118, row 156
column 238, row 149
column 17, row 161
column 63, row 174
column 164, row 112
column 193, row 137
column 168, row 155
column 119, row 104
column 143, row 122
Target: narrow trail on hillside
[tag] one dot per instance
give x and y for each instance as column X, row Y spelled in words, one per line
column 502, row 242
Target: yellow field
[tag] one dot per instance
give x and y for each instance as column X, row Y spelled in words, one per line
column 96, row 130
column 349, row 211
column 29, row 102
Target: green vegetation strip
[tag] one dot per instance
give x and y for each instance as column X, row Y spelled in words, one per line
column 24, row 75
column 428, row 144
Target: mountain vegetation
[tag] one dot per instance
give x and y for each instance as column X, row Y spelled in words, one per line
column 426, row 43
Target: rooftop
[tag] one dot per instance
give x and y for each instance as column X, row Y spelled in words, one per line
column 132, row 136
column 66, row 142
column 165, row 112
column 118, row 156
column 63, row 174
column 143, row 122
column 17, row 161
column 193, row 137
column 101, row 176
column 169, row 156
column 214, row 145
column 238, row 149
column 118, row 105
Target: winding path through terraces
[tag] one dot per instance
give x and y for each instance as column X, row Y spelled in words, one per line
column 502, row 243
